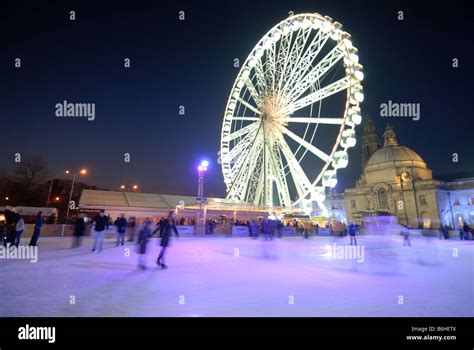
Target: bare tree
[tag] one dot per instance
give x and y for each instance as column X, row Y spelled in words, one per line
column 31, row 173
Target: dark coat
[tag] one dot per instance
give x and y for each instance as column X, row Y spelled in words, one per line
column 79, row 227
column 39, row 221
column 165, row 231
column 101, row 223
column 143, row 237
column 121, row 225
column 352, row 229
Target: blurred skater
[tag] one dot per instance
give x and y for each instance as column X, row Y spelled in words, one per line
column 352, row 233
column 101, row 222
column 132, row 224
column 37, row 230
column 143, row 237
column 79, row 228
column 406, row 236
column 19, row 228
column 465, row 229
column 10, row 218
column 121, row 224
column 166, row 227
column 3, row 232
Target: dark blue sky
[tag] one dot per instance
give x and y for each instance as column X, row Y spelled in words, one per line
column 190, row 63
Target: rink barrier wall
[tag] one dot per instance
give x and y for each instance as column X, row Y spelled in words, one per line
column 63, row 230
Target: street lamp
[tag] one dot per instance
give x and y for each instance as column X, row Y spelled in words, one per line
column 81, row 172
column 404, row 176
column 125, row 188
column 202, row 168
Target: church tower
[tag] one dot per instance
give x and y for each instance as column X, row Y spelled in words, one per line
column 370, row 141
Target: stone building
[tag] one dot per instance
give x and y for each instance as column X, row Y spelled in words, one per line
column 396, row 181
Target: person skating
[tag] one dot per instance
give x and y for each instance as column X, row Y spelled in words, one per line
column 100, row 224
column 406, row 236
column 465, row 229
column 37, row 230
column 3, row 232
column 352, row 233
column 143, row 236
column 79, row 228
column 132, row 224
column 166, row 227
column 10, row 218
column 121, row 224
column 19, row 228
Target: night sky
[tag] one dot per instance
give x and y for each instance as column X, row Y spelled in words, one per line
column 190, row 63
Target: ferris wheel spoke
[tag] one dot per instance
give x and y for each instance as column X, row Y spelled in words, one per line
column 254, row 179
column 279, row 174
column 270, row 65
column 282, row 59
column 336, row 121
column 316, row 73
column 298, row 175
column 261, row 84
column 318, row 95
column 253, row 91
column 252, row 164
column 304, row 63
column 241, row 146
column 253, row 119
column 241, row 132
column 295, row 54
column 259, row 190
column 249, row 106
column 317, row 152
column 240, row 170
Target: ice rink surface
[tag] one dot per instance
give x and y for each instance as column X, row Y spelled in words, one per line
column 230, row 276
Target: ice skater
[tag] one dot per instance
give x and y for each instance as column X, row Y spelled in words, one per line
column 352, row 233
column 121, row 224
column 406, row 236
column 37, row 230
column 132, row 224
column 165, row 232
column 100, row 223
column 79, row 228
column 143, row 236
column 19, row 228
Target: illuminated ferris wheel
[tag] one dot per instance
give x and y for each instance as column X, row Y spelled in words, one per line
column 292, row 113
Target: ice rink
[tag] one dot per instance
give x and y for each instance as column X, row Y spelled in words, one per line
column 230, row 276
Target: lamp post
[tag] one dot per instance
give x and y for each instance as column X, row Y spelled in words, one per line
column 451, row 209
column 49, row 192
column 202, row 168
column 81, row 172
column 404, row 176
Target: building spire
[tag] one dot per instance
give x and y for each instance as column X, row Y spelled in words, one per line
column 370, row 141
column 389, row 136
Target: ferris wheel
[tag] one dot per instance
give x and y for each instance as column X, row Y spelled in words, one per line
column 292, row 113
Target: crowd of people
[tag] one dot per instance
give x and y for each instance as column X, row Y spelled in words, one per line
column 13, row 227
column 165, row 227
